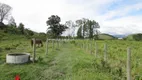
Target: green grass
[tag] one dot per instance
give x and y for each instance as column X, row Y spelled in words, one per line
column 71, row 61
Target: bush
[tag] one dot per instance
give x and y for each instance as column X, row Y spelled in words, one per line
column 72, row 42
column 137, row 37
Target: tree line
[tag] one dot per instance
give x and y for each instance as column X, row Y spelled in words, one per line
column 86, row 28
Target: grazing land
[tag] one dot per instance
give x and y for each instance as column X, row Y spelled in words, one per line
column 72, row 60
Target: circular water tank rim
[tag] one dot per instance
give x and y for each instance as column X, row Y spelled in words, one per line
column 17, row 54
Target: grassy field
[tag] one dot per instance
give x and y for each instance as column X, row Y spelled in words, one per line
column 73, row 60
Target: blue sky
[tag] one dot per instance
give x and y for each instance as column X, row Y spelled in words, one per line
column 114, row 16
column 123, row 4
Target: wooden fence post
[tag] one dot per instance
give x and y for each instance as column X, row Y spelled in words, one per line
column 86, row 46
column 52, row 44
column 57, row 43
column 105, row 52
column 83, row 45
column 61, row 40
column 46, row 46
column 91, row 48
column 96, row 49
column 91, row 51
column 80, row 45
column 128, row 64
column 34, row 50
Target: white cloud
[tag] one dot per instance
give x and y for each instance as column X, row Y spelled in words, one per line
column 34, row 13
column 118, row 21
column 124, row 25
column 122, row 11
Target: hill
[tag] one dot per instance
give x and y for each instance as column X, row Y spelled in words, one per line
column 137, row 37
column 10, row 36
column 106, row 36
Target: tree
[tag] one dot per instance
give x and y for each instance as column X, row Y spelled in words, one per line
column 28, row 32
column 11, row 30
column 82, row 23
column 71, row 27
column 12, row 22
column 4, row 11
column 68, row 24
column 96, row 31
column 55, row 28
column 2, row 26
column 92, row 28
column 21, row 28
column 87, row 28
column 137, row 37
column 79, row 24
column 79, row 35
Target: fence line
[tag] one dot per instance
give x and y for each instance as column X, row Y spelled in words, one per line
column 128, row 60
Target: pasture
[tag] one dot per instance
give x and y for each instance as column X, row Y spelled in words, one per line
column 73, row 60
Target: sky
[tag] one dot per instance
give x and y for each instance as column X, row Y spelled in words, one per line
column 114, row 16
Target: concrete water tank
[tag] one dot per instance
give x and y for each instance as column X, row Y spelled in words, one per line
column 17, row 58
